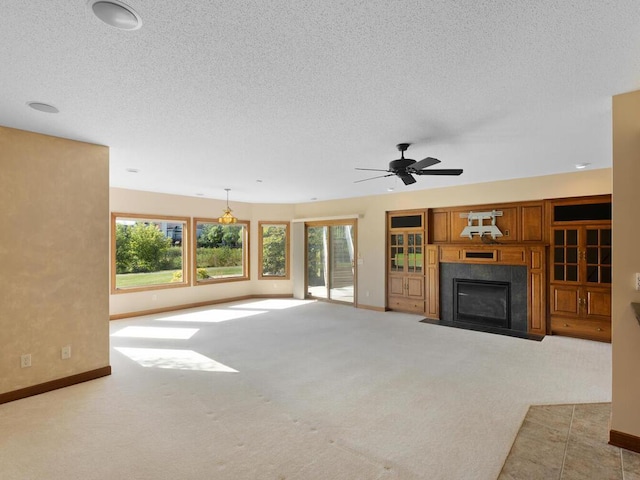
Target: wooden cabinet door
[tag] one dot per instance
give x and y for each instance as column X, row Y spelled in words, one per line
column 415, row 287
column 597, row 303
column 565, row 300
column 396, row 285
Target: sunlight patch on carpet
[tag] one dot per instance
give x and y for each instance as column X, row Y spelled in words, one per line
column 156, row 332
column 174, row 359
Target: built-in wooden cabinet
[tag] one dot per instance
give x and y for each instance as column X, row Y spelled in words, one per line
column 406, row 261
column 580, row 267
column 564, row 243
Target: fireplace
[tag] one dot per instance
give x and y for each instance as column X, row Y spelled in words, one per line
column 494, row 297
column 482, row 302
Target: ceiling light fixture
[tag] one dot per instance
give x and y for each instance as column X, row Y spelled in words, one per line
column 582, row 166
column 43, row 107
column 227, row 217
column 116, row 14
column 133, row 170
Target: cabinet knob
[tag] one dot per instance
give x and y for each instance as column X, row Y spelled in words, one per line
column 599, row 329
column 566, row 324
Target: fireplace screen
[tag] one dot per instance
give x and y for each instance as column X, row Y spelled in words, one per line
column 482, row 302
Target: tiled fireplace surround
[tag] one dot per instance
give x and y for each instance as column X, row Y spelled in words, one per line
column 515, row 275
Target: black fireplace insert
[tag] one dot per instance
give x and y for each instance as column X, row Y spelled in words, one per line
column 482, row 302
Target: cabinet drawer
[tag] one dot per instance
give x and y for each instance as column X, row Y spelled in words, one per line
column 406, row 305
column 590, row 329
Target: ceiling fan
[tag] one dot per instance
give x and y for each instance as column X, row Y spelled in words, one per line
column 405, row 168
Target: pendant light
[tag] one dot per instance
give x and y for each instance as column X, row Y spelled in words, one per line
column 227, row 217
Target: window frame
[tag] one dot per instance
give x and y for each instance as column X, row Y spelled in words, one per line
column 246, row 270
column 186, row 231
column 287, row 233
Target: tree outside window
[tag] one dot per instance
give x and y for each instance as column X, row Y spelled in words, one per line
column 273, row 250
column 221, row 251
column 148, row 252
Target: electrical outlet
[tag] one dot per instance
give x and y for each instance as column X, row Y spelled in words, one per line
column 65, row 352
column 25, row 360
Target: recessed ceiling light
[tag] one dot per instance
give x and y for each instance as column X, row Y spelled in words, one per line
column 258, row 181
column 116, row 14
column 200, row 194
column 133, row 170
column 390, row 189
column 43, row 107
column 313, row 199
column 581, row 166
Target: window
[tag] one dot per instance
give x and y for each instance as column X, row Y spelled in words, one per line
column 147, row 252
column 221, row 251
column 273, row 250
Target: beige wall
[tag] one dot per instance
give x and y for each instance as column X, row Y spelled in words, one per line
column 626, row 262
column 371, row 230
column 371, row 225
column 132, row 201
column 54, row 288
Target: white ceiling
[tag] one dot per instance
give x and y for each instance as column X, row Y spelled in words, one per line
column 209, row 95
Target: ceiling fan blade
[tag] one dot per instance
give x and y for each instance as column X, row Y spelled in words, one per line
column 424, row 163
column 439, row 171
column 372, row 169
column 373, row 178
column 407, row 179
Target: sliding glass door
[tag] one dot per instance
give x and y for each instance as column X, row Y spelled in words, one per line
column 330, row 259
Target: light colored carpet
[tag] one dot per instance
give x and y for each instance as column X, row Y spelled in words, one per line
column 320, row 391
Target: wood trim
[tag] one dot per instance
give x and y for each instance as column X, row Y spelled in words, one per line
column 536, row 291
column 54, row 384
column 432, row 278
column 550, row 203
column 500, row 254
column 173, row 308
column 624, row 440
column 371, row 307
column 421, row 212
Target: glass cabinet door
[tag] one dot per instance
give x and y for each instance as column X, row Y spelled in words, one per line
column 414, row 253
column 582, row 254
column 565, row 255
column 598, row 255
column 396, row 252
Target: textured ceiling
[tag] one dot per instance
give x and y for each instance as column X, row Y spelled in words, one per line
column 280, row 101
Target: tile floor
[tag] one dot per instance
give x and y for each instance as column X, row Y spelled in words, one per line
column 568, row 442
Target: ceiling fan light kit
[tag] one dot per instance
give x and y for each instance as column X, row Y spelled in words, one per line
column 405, row 168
